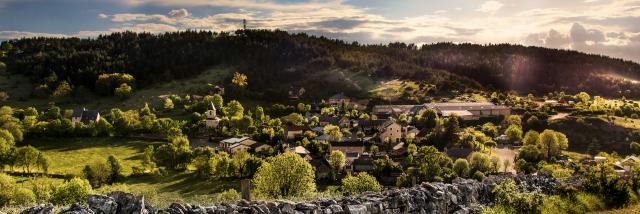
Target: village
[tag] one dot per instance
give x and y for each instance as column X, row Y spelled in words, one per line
column 362, row 140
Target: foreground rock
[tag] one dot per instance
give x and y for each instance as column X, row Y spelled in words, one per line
column 459, row 197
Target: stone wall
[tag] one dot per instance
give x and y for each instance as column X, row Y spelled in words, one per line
column 461, row 196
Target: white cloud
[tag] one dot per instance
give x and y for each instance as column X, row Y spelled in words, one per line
column 139, row 17
column 490, row 7
column 6, row 35
column 179, row 13
column 103, row 16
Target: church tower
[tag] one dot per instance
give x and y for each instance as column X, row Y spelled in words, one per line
column 212, row 119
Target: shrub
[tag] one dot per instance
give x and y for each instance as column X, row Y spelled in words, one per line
column 124, row 91
column 575, row 203
column 461, row 167
column 106, row 189
column 97, row 173
column 24, row 196
column 42, row 189
column 72, row 191
column 478, row 175
column 507, row 195
column 228, row 195
column 480, row 162
column 361, row 183
column 6, row 187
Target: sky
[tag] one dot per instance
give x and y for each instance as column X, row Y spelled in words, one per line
column 607, row 27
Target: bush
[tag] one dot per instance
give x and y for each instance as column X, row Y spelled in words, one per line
column 478, row 175
column 42, row 189
column 507, row 195
column 106, row 189
column 361, row 183
column 98, row 173
column 6, row 188
column 461, row 167
column 24, row 196
column 72, row 191
column 124, row 91
column 228, row 195
column 578, row 203
column 480, row 162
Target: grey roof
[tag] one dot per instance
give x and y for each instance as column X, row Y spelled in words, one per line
column 329, row 119
column 465, row 106
column 78, row 112
column 91, row 115
column 338, row 96
column 234, row 140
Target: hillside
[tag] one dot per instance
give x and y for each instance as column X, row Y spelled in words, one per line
column 275, row 61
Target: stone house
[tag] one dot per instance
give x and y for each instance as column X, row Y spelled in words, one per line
column 390, row 132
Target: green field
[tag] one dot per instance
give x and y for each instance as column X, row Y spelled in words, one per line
column 69, row 156
column 393, row 90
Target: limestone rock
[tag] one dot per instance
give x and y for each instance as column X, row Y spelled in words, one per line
column 101, row 204
column 39, row 209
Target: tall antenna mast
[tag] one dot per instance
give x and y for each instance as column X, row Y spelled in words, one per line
column 244, row 24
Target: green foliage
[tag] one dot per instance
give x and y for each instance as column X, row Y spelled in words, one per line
column 583, row 97
column 531, row 138
column 490, row 129
column 428, row 119
column 108, row 84
column 361, row 183
column 556, row 171
column 514, row 133
column 481, row 162
column 97, row 173
column 230, row 195
column 602, row 179
column 168, row 104
column 334, row 132
column 461, row 167
column 336, row 161
column 285, row 175
column 23, row 196
column 6, row 188
column 634, row 147
column 28, row 158
column 72, row 191
column 294, row 119
column 432, row 164
column 124, row 91
column 385, row 166
column 507, row 195
column 63, row 90
column 575, row 203
column 175, row 155
column 512, row 120
column 116, row 169
column 552, row 143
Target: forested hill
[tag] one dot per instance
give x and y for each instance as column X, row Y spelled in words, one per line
column 274, row 61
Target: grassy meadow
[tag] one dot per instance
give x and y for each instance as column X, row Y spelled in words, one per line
column 69, row 156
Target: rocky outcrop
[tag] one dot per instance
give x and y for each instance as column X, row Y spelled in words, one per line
column 77, row 209
column 39, row 209
column 101, row 204
column 459, row 197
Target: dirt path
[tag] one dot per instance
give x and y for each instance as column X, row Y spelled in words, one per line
column 559, row 116
column 506, row 153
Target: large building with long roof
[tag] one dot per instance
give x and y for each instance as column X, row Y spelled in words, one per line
column 467, row 111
